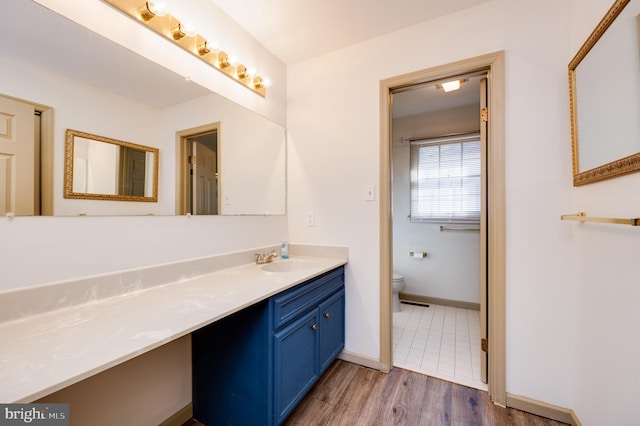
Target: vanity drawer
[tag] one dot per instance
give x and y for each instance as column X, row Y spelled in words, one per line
column 298, row 300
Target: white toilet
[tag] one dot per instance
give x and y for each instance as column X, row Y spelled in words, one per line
column 397, row 285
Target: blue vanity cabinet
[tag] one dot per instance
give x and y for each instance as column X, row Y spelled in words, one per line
column 331, row 327
column 254, row 367
column 296, row 354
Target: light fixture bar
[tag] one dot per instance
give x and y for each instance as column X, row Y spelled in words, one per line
column 171, row 29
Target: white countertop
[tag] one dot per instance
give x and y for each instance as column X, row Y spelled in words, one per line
column 43, row 353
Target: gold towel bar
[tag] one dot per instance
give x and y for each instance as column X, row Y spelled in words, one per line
column 582, row 217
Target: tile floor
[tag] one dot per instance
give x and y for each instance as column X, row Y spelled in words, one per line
column 439, row 341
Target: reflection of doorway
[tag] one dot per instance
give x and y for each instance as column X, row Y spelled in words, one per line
column 493, row 64
column 26, row 184
column 132, row 172
column 204, row 174
column 198, row 171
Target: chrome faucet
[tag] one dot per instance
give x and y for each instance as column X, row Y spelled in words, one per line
column 261, row 259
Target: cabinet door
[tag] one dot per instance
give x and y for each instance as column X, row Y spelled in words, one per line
column 331, row 329
column 296, row 349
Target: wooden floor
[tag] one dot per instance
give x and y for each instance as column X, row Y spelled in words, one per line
column 349, row 394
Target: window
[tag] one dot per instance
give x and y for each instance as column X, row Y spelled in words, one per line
column 445, row 179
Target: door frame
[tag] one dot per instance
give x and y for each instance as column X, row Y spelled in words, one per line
column 182, row 172
column 496, row 250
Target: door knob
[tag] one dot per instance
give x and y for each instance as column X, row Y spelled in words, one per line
column 326, row 315
column 314, row 327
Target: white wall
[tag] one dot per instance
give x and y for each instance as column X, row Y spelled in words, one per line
column 452, row 268
column 606, row 287
column 333, row 122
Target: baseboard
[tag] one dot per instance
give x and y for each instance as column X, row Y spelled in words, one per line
column 365, row 361
column 179, row 417
column 437, row 301
column 575, row 421
column 539, row 408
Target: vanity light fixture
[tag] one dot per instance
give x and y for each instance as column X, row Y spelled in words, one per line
column 242, row 72
column 203, row 49
column 177, row 33
column 154, row 15
column 152, row 9
column 260, row 83
column 223, row 60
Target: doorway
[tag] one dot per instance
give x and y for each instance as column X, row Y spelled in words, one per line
column 438, row 148
column 493, row 66
column 198, row 171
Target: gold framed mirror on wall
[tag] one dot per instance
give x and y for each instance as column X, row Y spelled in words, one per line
column 102, row 168
column 604, row 88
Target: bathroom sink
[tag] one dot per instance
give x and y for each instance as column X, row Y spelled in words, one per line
column 288, row 265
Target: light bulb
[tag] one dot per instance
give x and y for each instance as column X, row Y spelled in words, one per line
column 158, row 8
column 213, row 46
column 189, row 29
column 451, row 85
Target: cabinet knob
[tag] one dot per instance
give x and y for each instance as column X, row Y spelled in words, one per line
column 326, row 315
column 314, row 327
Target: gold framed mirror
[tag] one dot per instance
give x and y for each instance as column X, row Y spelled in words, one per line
column 101, row 168
column 604, row 87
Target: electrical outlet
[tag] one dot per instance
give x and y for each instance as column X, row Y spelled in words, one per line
column 311, row 219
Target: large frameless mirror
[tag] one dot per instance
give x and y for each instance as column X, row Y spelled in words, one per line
column 73, row 78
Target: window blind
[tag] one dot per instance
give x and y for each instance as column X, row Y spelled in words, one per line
column 445, row 179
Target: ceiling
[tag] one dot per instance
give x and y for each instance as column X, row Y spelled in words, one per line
column 295, row 30
column 430, row 98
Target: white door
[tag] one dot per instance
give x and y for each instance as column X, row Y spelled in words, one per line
column 17, row 158
column 205, row 184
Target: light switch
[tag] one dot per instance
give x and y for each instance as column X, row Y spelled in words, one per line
column 369, row 192
column 311, row 219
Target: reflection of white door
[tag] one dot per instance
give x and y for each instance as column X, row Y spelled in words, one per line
column 17, row 153
column 205, row 188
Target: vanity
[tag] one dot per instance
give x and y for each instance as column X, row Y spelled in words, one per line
column 254, row 367
column 259, row 319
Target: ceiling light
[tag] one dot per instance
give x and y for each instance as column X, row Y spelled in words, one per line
column 450, row 86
